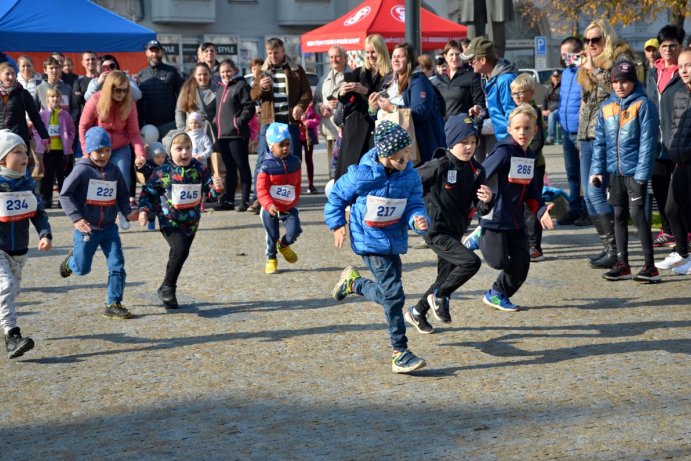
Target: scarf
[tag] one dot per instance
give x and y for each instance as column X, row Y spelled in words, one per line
column 6, row 90
column 10, row 174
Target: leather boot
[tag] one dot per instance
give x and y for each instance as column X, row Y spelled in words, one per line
column 598, row 227
column 166, row 294
column 610, row 258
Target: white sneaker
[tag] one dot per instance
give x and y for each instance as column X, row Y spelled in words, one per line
column 123, row 222
column 673, row 260
column 472, row 241
column 684, row 269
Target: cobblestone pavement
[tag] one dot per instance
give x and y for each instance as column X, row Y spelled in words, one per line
column 270, row 367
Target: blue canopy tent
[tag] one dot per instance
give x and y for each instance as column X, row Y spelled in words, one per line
column 67, row 26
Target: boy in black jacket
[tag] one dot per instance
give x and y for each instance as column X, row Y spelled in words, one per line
column 452, row 184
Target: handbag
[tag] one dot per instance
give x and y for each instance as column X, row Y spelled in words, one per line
column 403, row 117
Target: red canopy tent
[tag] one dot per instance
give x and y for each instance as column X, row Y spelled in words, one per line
column 384, row 17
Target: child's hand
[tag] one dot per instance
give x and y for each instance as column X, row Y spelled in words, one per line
column 484, row 194
column 45, row 244
column 273, row 211
column 133, row 216
column 339, row 236
column 143, row 215
column 546, row 220
column 218, row 183
column 83, row 226
column 139, row 162
column 420, row 222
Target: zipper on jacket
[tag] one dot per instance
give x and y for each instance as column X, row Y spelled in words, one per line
column 100, row 209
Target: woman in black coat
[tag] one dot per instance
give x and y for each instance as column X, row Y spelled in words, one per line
column 461, row 88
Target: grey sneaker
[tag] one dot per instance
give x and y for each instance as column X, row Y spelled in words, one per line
column 16, row 345
column 117, row 311
column 404, row 361
column 419, row 321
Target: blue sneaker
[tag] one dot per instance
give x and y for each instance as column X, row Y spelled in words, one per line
column 151, row 226
column 404, row 361
column 499, row 301
column 472, row 242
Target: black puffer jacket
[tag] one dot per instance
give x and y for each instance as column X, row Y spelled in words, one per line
column 160, row 87
column 461, row 92
column 680, row 143
column 234, row 109
column 13, row 114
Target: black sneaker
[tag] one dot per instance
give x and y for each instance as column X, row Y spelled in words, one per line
column 583, row 220
column 16, row 345
column 569, row 218
column 419, row 321
column 225, row 206
column 65, row 270
column 440, row 307
column 166, row 294
column 620, row 271
column 116, row 311
column 243, row 207
column 649, row 274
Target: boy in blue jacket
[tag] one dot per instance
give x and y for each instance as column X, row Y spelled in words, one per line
column 510, row 170
column 626, row 143
column 91, row 197
column 19, row 203
column 385, row 194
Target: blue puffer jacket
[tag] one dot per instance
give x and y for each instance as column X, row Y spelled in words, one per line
column 420, row 97
column 499, row 101
column 626, row 136
column 371, row 178
column 569, row 100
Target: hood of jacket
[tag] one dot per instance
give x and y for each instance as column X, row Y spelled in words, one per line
column 503, row 67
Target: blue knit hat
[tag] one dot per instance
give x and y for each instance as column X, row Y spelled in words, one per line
column 457, row 128
column 96, row 138
column 276, row 133
column 389, row 138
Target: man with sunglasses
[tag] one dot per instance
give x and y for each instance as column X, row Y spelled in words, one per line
column 661, row 83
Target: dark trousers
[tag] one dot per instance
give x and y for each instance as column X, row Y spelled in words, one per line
column 309, row 161
column 455, row 266
column 628, row 195
column 54, row 168
column 531, row 222
column 661, row 174
column 235, row 153
column 509, row 251
column 679, row 205
column 291, row 219
column 179, row 244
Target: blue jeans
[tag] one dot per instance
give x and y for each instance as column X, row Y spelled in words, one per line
column 291, row 220
column 386, row 291
column 122, row 158
column 595, row 197
column 109, row 241
column 573, row 172
column 262, row 146
column 552, row 121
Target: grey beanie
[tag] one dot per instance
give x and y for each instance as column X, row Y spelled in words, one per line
column 8, row 141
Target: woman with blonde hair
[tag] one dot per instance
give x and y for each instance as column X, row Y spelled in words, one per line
column 113, row 109
column 602, row 50
column 357, row 86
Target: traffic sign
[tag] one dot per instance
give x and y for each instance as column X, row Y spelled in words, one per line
column 540, row 45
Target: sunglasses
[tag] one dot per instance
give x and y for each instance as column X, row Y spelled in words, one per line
column 121, row 90
column 593, row 40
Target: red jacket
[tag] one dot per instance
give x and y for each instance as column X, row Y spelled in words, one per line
column 274, row 175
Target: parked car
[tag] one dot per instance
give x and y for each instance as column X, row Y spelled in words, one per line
column 542, row 82
column 311, row 76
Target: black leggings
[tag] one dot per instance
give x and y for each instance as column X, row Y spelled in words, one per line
column 626, row 195
column 180, row 244
column 309, row 161
column 235, row 153
column 678, row 207
column 54, row 168
column 661, row 174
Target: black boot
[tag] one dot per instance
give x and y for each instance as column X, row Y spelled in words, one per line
column 16, row 345
column 610, row 259
column 166, row 294
column 601, row 234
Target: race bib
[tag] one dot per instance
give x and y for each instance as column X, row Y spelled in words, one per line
column 101, row 193
column 54, row 131
column 382, row 211
column 283, row 194
column 522, row 170
column 65, row 102
column 15, row 206
column 186, row 195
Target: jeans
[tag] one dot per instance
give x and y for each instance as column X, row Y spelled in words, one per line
column 122, row 158
column 291, row 220
column 552, row 121
column 595, row 197
column 295, row 149
column 387, row 291
column 109, row 241
column 573, row 172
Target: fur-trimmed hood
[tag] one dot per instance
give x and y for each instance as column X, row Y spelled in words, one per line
column 588, row 81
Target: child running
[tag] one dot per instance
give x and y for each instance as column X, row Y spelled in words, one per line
column 91, row 197
column 625, row 146
column 386, row 196
column 156, row 156
column 18, row 203
column 278, row 191
column 510, row 169
column 174, row 192
column 452, row 185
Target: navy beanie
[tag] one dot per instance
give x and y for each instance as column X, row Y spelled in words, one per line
column 459, row 127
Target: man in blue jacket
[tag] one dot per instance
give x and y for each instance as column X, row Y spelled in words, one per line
column 569, row 106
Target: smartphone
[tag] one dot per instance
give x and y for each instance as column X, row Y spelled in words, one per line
column 268, row 73
column 383, row 95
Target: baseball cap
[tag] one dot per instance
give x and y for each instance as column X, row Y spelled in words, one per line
column 154, row 44
column 479, row 46
column 652, row 42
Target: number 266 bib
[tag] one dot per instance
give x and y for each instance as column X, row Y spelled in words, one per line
column 522, row 170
